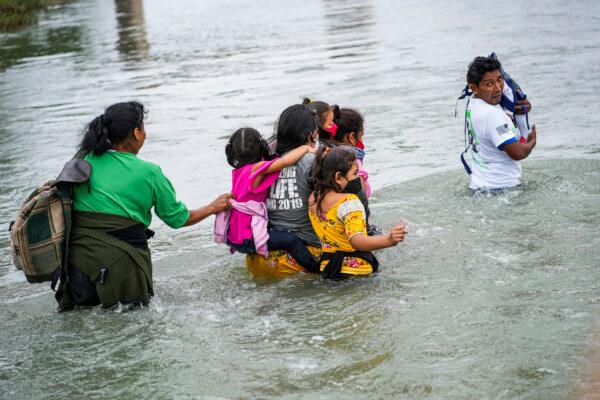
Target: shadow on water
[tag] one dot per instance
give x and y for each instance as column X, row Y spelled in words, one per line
column 488, row 297
column 350, row 29
column 132, row 43
column 38, row 43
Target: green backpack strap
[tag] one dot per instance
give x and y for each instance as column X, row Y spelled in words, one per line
column 75, row 171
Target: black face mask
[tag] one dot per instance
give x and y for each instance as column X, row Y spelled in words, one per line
column 354, row 186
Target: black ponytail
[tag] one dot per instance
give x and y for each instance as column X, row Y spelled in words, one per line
column 247, row 146
column 115, row 126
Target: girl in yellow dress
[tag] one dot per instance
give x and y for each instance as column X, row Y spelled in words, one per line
column 339, row 218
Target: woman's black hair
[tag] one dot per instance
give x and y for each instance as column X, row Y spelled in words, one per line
column 328, row 162
column 479, row 67
column 246, row 146
column 115, row 126
column 320, row 109
column 347, row 120
column 294, row 127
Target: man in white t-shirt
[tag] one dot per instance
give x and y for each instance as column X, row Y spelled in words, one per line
column 495, row 140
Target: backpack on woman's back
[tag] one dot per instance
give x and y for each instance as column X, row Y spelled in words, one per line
column 39, row 235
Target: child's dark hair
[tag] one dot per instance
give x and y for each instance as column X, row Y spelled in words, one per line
column 479, row 67
column 294, row 127
column 320, row 109
column 246, row 146
column 115, row 126
column 328, row 162
column 347, row 120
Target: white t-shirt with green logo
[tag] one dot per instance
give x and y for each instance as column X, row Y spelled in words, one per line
column 491, row 129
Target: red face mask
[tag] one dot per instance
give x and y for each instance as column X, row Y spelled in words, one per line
column 332, row 130
column 360, row 145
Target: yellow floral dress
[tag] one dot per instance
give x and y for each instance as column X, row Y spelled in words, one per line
column 278, row 264
column 344, row 219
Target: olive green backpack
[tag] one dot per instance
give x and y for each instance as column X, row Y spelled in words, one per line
column 39, row 235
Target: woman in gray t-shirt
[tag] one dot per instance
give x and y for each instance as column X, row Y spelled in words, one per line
column 287, row 201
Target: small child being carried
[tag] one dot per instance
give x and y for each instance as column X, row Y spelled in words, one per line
column 255, row 170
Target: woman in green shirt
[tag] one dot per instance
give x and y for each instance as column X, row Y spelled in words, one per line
column 109, row 259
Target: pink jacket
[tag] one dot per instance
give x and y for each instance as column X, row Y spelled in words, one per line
column 260, row 219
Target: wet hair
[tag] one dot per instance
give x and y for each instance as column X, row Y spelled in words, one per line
column 115, row 126
column 479, row 67
column 246, row 146
column 328, row 162
column 320, row 109
column 294, row 127
column 347, row 120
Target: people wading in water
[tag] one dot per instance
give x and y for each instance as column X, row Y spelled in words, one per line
column 109, row 260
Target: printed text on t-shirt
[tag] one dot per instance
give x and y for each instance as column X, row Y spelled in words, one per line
column 283, row 194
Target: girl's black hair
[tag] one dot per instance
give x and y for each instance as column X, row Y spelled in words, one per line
column 246, row 146
column 328, row 162
column 347, row 120
column 320, row 109
column 115, row 126
column 294, row 127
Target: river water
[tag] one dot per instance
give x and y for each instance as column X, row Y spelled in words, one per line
column 488, row 297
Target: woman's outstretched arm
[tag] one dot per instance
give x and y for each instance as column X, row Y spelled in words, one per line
column 219, row 204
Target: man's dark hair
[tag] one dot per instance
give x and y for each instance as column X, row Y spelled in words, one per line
column 479, row 67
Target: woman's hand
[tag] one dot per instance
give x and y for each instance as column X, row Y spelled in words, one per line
column 221, row 203
column 310, row 149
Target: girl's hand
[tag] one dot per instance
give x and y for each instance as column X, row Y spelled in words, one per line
column 397, row 233
column 311, row 149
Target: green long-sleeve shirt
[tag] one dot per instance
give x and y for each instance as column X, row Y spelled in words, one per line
column 123, row 184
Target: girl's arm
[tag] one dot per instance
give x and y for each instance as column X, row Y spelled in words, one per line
column 369, row 243
column 290, row 158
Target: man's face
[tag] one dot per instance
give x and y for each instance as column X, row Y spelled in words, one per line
column 490, row 87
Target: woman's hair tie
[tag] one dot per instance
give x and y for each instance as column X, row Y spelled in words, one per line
column 105, row 120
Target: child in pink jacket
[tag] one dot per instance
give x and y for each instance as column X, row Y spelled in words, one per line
column 255, row 170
